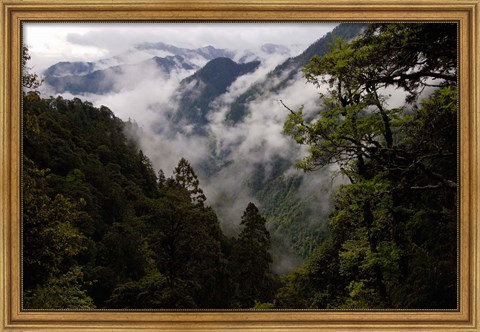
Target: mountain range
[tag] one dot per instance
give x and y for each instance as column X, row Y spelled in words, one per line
column 99, row 77
column 221, row 109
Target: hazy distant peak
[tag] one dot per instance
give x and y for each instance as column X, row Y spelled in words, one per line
column 208, row 52
column 169, row 63
column 208, row 48
column 275, row 49
column 157, row 46
column 65, row 68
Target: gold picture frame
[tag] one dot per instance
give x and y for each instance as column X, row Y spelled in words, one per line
column 14, row 12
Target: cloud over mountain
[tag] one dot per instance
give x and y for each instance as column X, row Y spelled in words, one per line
column 220, row 110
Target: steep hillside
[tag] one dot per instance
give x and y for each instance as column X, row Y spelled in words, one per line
column 281, row 76
column 101, row 230
column 77, row 78
column 209, row 109
column 357, row 190
column 199, row 90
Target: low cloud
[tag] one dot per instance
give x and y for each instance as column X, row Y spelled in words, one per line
column 233, row 154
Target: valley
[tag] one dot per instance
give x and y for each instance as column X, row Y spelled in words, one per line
column 274, row 169
column 221, row 111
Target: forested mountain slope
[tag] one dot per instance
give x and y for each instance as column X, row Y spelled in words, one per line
column 101, row 230
column 203, row 95
column 393, row 229
column 195, row 114
column 284, row 73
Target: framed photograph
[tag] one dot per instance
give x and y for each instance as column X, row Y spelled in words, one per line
column 252, row 165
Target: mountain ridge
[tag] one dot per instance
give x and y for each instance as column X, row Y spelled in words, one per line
column 291, row 67
column 188, row 119
column 196, row 92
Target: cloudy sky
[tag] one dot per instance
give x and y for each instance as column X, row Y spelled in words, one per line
column 150, row 96
column 51, row 43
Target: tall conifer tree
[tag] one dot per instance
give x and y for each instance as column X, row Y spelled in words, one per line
column 252, row 259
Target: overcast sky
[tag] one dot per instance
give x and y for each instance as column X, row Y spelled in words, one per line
column 54, row 42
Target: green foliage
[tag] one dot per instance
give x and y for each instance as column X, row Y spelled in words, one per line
column 62, row 292
column 101, row 229
column 411, row 56
column 146, row 293
column 92, row 196
column 290, row 219
column 393, row 230
column 186, row 178
column 317, row 284
column 264, row 305
column 295, row 292
column 30, row 81
column 279, row 78
column 50, row 238
column 251, row 261
column 186, row 239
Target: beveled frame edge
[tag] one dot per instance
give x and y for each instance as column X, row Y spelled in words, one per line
column 15, row 11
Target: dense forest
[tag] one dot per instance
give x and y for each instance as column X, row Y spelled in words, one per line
column 103, row 230
column 392, row 233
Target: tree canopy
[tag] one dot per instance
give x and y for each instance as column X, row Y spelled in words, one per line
column 101, row 230
column 400, row 163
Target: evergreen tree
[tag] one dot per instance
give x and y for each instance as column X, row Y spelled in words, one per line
column 251, row 260
column 185, row 177
column 100, row 229
column 52, row 242
column 162, row 180
column 186, row 238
